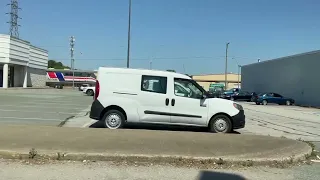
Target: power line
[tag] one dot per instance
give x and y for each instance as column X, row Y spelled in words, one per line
column 14, row 26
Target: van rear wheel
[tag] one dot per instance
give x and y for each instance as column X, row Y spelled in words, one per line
column 220, row 124
column 113, row 119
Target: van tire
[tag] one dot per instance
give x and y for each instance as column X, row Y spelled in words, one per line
column 113, row 119
column 220, row 120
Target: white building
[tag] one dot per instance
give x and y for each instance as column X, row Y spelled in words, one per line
column 21, row 63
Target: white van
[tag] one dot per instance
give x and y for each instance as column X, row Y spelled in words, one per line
column 148, row 96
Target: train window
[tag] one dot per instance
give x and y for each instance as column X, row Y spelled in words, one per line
column 68, row 74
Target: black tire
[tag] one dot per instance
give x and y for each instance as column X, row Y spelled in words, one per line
column 288, row 103
column 225, row 120
column 257, row 103
column 90, row 92
column 232, row 98
column 117, row 114
column 264, row 102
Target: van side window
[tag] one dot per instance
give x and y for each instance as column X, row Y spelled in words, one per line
column 186, row 88
column 155, row 84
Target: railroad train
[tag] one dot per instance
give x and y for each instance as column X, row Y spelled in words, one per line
column 64, row 77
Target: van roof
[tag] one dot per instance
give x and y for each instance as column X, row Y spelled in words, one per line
column 143, row 72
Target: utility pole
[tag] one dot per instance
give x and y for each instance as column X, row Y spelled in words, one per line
column 184, row 69
column 151, row 64
column 72, row 40
column 226, row 67
column 129, row 31
column 239, row 67
column 14, row 30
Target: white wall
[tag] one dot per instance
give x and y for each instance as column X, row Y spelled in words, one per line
column 21, row 54
column 38, row 58
column 4, row 48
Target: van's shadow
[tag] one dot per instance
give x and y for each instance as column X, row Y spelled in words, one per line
column 211, row 175
column 99, row 124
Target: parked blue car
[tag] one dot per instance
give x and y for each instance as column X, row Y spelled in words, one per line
column 265, row 98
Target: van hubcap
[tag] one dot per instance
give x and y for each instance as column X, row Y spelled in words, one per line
column 220, row 125
column 113, row 121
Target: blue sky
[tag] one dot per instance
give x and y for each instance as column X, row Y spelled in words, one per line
column 173, row 33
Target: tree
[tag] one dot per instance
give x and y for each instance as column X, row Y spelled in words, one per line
column 171, row 70
column 57, row 65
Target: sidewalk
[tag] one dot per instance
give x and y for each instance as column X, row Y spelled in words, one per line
column 103, row 144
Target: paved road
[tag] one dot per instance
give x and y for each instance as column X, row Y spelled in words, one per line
column 283, row 121
column 105, row 171
column 40, row 106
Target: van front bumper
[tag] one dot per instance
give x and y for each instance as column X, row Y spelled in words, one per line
column 96, row 110
column 239, row 120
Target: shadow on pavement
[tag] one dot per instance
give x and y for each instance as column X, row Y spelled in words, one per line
column 209, row 175
column 99, row 124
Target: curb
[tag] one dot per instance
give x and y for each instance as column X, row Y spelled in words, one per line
column 157, row 159
column 80, row 114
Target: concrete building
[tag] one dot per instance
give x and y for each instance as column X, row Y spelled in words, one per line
column 209, row 79
column 21, row 63
column 294, row 76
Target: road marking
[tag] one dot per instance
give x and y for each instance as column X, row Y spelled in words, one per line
column 49, row 103
column 37, row 119
column 45, row 107
column 7, row 110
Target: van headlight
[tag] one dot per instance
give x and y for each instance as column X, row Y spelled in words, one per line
column 238, row 106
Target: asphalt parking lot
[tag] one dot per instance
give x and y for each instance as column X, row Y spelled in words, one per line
column 41, row 106
column 284, row 121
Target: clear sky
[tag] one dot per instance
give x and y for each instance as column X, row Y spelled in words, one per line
column 185, row 35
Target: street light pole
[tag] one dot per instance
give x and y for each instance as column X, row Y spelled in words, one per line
column 129, row 31
column 226, row 67
column 239, row 66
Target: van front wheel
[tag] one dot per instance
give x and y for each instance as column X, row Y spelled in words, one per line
column 220, row 124
column 113, row 119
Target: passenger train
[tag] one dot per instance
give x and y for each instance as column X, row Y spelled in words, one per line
column 65, row 77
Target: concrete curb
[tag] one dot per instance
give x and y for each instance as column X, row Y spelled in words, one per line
column 156, row 159
column 80, row 114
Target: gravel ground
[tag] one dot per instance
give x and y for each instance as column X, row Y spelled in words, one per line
column 58, row 170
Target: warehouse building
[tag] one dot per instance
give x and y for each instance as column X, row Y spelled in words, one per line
column 21, row 63
column 218, row 80
column 294, row 76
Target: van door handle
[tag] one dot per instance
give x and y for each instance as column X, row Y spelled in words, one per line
column 173, row 101
column 167, row 101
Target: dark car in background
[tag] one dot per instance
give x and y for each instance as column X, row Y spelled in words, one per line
column 227, row 94
column 240, row 96
column 274, row 98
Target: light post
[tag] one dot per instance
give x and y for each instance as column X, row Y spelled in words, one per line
column 129, row 31
column 226, row 67
column 239, row 67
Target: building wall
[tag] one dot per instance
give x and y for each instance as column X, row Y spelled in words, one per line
column 293, row 76
column 18, row 76
column 38, row 58
column 206, row 80
column 4, row 48
column 21, row 54
column 36, row 77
